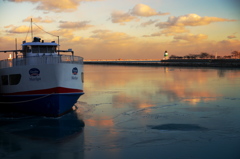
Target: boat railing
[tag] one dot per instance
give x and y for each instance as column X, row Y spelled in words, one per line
column 36, row 60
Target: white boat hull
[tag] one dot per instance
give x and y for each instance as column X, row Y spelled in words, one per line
column 49, row 89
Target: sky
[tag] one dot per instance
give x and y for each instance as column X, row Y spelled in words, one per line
column 124, row 29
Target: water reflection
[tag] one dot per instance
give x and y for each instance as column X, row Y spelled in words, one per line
column 146, row 86
column 137, row 112
column 23, row 136
column 120, row 103
column 143, row 87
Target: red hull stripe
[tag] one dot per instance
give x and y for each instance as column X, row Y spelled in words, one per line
column 48, row 91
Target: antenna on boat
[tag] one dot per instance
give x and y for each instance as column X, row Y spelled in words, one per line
column 31, row 29
column 58, row 45
column 47, row 33
column 16, row 47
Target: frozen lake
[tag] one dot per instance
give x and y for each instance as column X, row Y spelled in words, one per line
column 136, row 112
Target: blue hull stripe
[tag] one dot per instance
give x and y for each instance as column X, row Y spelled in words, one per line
column 48, row 105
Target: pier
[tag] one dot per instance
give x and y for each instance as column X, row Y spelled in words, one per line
column 234, row 63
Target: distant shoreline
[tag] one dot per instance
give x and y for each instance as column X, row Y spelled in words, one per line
column 226, row 63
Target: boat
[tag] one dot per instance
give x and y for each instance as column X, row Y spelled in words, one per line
column 42, row 80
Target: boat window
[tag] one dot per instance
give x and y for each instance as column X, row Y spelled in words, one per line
column 35, row 49
column 14, row 79
column 43, row 49
column 51, row 49
column 4, row 79
column 82, row 76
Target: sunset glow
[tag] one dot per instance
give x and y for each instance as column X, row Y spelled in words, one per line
column 123, row 29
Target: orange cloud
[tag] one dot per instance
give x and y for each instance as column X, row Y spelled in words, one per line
column 75, row 25
column 231, row 37
column 177, row 24
column 121, row 17
column 145, row 11
column 108, row 36
column 191, row 37
column 38, row 20
column 141, row 10
column 172, row 30
column 17, row 29
column 148, row 23
column 55, row 6
column 230, row 43
column 190, row 20
column 83, row 40
column 67, row 33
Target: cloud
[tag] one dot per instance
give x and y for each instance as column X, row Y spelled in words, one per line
column 191, row 37
column 75, row 25
column 153, row 34
column 140, row 10
column 67, row 33
column 9, row 26
column 189, row 20
column 145, row 11
column 55, row 6
column 121, row 17
column 231, row 37
column 177, row 24
column 230, row 43
column 17, row 29
column 84, row 40
column 104, row 44
column 170, row 31
column 111, row 37
column 150, row 22
column 38, row 20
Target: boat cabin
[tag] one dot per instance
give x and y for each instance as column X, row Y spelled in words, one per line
column 39, row 48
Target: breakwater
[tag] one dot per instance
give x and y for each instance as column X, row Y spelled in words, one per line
column 234, row 63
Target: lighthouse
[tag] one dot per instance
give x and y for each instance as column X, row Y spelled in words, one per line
column 165, row 55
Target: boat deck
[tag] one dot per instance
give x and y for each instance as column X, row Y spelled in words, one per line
column 35, row 60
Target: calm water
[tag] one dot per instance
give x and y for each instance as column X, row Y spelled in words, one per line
column 136, row 112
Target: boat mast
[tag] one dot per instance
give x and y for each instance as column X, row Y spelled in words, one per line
column 58, row 45
column 15, row 47
column 31, row 29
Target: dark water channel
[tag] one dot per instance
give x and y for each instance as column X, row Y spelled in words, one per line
column 136, row 112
